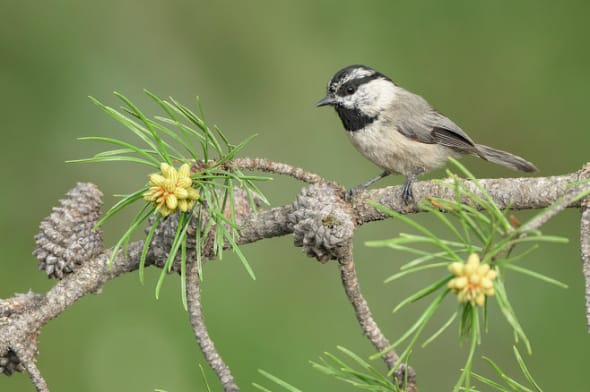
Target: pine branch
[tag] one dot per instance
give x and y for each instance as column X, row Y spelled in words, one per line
column 23, row 316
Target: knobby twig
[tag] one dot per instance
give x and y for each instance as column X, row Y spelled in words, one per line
column 27, row 357
column 585, row 251
column 193, row 297
column 572, row 194
column 266, row 165
column 404, row 374
column 585, row 243
column 363, row 313
column 23, row 316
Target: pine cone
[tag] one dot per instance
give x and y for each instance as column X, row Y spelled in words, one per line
column 67, row 238
column 321, row 221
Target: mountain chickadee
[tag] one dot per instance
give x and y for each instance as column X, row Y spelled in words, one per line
column 399, row 131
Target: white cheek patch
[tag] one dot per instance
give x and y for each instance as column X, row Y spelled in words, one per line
column 349, row 102
column 374, row 97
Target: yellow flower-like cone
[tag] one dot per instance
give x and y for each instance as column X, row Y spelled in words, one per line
column 171, row 189
column 473, row 281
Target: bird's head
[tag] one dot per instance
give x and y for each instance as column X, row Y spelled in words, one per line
column 361, row 89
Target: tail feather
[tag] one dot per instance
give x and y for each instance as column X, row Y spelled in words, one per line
column 505, row 159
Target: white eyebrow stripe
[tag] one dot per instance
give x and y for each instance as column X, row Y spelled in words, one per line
column 357, row 73
column 360, row 73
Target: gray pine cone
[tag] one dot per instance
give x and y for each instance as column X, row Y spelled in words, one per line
column 10, row 363
column 66, row 238
column 322, row 222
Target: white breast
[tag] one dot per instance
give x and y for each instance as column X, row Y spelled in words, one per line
column 394, row 152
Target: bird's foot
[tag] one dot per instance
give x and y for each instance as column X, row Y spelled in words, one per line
column 407, row 194
column 350, row 193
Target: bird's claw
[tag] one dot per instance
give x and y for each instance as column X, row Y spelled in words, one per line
column 407, row 194
column 350, row 193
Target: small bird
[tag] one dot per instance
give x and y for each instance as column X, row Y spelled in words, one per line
column 399, row 131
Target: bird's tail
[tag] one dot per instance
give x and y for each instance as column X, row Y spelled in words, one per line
column 505, row 159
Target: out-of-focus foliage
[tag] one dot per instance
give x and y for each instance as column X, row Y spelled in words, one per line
column 512, row 74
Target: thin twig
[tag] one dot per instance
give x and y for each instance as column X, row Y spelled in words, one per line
column 363, row 314
column 571, row 195
column 193, row 296
column 365, row 318
column 585, row 243
column 585, row 252
column 35, row 375
column 26, row 351
column 266, row 165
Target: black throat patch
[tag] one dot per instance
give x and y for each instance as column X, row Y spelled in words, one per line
column 353, row 119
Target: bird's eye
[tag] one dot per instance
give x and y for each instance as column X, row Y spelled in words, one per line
column 350, row 90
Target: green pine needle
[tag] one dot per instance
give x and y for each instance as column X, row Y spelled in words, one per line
column 285, row 385
column 360, row 374
column 146, row 246
column 475, row 225
column 179, row 136
column 465, row 378
column 536, row 275
column 525, row 370
column 440, row 330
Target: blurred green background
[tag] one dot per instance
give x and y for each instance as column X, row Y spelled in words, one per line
column 514, row 75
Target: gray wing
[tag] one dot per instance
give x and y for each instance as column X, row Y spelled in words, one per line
column 416, row 119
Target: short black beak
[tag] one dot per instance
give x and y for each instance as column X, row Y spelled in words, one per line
column 327, row 100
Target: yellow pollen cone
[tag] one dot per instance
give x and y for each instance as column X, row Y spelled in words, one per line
column 171, row 202
column 183, row 205
column 472, row 280
column 181, row 193
column 184, row 182
column 184, row 171
column 456, row 268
